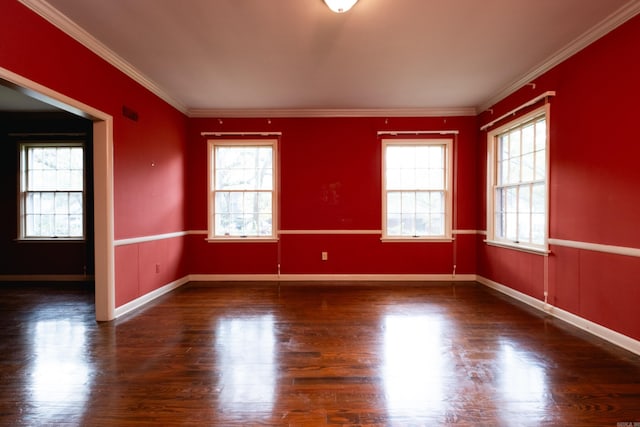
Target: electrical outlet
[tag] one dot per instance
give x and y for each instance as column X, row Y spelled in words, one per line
column 325, row 256
column 157, row 268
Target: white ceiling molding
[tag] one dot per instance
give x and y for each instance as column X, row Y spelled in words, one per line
column 51, row 14
column 607, row 25
column 293, row 113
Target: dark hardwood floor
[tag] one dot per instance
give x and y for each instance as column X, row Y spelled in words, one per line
column 305, row 354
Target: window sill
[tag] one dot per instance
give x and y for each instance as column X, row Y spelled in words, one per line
column 50, row 240
column 417, row 239
column 236, row 239
column 518, row 247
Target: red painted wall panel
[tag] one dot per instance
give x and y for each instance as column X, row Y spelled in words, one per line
column 330, row 171
column 127, row 274
column 149, row 154
column 594, row 178
column 230, row 258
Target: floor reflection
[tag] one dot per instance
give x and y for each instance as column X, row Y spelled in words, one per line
column 245, row 350
column 522, row 382
column 414, row 364
column 60, row 375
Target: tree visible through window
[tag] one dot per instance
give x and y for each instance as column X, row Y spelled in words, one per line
column 518, row 188
column 242, row 183
column 416, row 189
column 52, row 190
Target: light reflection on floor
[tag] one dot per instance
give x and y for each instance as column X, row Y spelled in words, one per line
column 246, row 355
column 60, row 375
column 522, row 382
column 414, row 361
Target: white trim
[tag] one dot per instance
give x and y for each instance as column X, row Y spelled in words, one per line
column 142, row 239
column 103, row 189
column 45, row 278
column 418, row 239
column 491, row 178
column 599, row 331
column 617, row 18
column 448, row 144
column 331, row 277
column 596, row 247
column 73, row 30
column 305, row 113
column 274, row 145
column 329, row 232
column 468, row 232
column 518, row 247
column 248, row 239
column 148, row 297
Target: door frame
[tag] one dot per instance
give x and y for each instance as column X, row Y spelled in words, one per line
column 104, row 252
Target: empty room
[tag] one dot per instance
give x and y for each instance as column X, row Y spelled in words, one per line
column 320, row 212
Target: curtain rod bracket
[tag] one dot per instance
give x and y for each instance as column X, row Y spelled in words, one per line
column 529, row 103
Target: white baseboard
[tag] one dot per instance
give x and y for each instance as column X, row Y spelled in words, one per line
column 147, row 298
column 331, row 277
column 46, row 278
column 600, row 331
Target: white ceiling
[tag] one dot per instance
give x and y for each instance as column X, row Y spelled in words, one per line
column 219, row 56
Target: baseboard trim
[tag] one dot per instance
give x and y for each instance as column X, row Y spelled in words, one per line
column 147, row 298
column 331, row 277
column 46, row 278
column 593, row 328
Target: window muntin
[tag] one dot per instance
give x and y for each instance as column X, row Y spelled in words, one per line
column 416, row 189
column 518, row 182
column 242, row 189
column 52, row 190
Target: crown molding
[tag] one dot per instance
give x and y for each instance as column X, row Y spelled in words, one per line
column 66, row 25
column 55, row 17
column 332, row 112
column 617, row 18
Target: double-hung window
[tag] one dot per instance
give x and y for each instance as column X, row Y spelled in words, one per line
column 242, row 189
column 416, row 187
column 517, row 182
column 52, row 190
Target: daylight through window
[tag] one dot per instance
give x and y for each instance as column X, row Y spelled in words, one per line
column 242, row 184
column 52, row 190
column 416, row 187
column 519, row 187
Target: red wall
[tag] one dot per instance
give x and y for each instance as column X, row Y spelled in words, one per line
column 594, row 177
column 318, row 155
column 593, row 148
column 148, row 199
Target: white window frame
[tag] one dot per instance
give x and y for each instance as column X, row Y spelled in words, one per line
column 492, row 182
column 211, row 147
column 24, row 189
column 447, row 143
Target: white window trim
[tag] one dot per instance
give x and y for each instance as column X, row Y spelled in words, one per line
column 448, row 235
column 211, row 144
column 23, row 146
column 491, row 182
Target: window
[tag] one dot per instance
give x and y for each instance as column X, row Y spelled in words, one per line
column 242, row 183
column 517, row 190
column 52, row 190
column 416, row 200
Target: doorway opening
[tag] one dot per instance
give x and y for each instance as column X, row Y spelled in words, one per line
column 103, row 248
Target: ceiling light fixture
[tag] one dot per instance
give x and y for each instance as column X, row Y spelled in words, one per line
column 340, row 6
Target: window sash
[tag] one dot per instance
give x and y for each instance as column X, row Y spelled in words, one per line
column 416, row 183
column 52, row 190
column 242, row 185
column 518, row 207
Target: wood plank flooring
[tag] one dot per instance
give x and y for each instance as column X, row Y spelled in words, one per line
column 305, row 354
